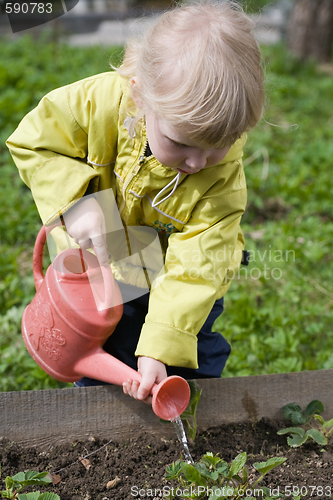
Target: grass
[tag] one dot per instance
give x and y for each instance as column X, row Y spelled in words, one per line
column 255, row 6
column 279, row 311
column 24, row 80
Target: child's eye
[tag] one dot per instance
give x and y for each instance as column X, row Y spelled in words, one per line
column 177, row 144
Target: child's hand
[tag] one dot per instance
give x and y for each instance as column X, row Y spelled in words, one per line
column 152, row 371
column 85, row 223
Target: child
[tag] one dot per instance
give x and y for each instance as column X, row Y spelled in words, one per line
column 165, row 132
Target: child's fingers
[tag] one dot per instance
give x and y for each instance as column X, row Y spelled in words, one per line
column 126, row 387
column 99, row 246
column 146, row 385
column 147, row 400
column 84, row 244
column 131, row 387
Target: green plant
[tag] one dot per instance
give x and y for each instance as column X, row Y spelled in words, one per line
column 189, row 416
column 14, row 484
column 299, row 435
column 213, row 479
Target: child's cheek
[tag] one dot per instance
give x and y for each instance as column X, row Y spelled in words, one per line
column 166, row 157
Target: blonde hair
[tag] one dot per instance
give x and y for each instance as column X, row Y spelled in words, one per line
column 199, row 69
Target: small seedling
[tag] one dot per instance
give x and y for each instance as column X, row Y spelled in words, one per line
column 319, row 433
column 15, row 484
column 189, row 416
column 213, row 479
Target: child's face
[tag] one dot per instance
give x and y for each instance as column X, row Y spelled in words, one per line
column 174, row 150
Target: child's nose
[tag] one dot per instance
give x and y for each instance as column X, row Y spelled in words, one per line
column 196, row 160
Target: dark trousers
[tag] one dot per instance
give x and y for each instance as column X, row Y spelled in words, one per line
column 213, row 349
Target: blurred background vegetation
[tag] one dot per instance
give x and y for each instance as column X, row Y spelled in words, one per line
column 279, row 310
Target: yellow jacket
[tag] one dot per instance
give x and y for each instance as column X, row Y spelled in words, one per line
column 75, row 142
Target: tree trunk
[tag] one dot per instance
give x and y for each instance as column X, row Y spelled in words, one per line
column 310, row 29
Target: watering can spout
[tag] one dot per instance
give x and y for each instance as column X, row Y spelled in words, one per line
column 170, row 397
column 67, row 323
column 100, row 365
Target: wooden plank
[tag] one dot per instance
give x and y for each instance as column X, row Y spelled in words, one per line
column 242, row 399
column 51, row 417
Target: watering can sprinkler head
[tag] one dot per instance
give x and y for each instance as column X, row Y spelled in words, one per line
column 170, row 397
column 64, row 327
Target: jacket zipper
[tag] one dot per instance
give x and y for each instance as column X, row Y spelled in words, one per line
column 130, row 176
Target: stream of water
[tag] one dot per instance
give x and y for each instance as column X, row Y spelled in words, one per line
column 180, row 431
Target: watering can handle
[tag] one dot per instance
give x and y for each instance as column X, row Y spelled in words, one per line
column 38, row 254
column 38, row 271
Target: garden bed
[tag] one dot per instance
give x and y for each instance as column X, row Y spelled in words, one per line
column 53, row 430
column 135, row 467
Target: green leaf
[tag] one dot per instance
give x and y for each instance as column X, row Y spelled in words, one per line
column 37, row 478
column 172, row 470
column 20, row 476
column 192, row 475
column 245, row 475
column 186, row 414
column 290, row 409
column 193, row 389
column 216, row 495
column 237, row 464
column 195, row 401
column 265, row 490
column 264, row 467
column 9, row 482
column 319, row 419
column 294, row 413
column 30, row 474
column 29, row 496
column 295, row 441
column 292, row 430
column 6, row 494
column 223, row 469
column 327, row 424
column 315, row 407
column 317, row 436
column 210, row 459
column 49, row 496
column 203, row 471
column 191, row 432
column 32, row 478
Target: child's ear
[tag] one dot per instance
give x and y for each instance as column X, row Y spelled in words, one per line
column 135, row 83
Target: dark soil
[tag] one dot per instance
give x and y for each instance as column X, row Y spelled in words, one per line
column 136, row 467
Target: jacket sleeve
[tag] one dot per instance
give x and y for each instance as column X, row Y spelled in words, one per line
column 52, row 144
column 200, row 261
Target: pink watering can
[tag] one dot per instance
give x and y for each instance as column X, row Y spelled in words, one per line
column 76, row 308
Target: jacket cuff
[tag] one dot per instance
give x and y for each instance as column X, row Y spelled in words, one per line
column 167, row 344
